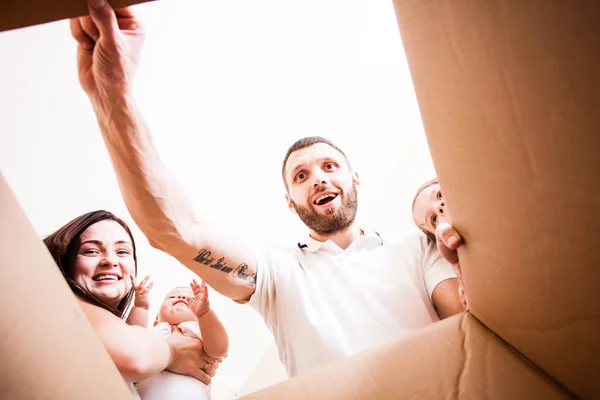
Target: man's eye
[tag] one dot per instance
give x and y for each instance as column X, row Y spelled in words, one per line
column 330, row 165
column 300, row 176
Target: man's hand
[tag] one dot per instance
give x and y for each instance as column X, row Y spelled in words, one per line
column 188, row 358
column 201, row 304
column 448, row 241
column 142, row 291
column 109, row 47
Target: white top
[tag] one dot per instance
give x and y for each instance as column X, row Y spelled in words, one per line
column 324, row 303
column 167, row 385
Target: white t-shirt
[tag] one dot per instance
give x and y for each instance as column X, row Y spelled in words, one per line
column 323, row 303
column 167, row 385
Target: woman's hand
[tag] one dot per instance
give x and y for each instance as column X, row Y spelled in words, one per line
column 188, row 357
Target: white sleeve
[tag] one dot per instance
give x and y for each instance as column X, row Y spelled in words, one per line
column 435, row 268
column 263, row 299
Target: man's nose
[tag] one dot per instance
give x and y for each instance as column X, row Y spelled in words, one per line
column 319, row 178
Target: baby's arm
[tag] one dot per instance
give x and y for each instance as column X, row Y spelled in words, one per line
column 214, row 336
column 139, row 312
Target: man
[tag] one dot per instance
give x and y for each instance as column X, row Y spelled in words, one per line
column 337, row 292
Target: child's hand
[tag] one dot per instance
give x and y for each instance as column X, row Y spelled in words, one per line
column 142, row 291
column 200, row 305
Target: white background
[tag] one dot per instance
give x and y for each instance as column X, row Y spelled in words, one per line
column 226, row 86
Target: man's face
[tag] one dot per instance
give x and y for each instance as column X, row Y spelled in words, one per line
column 321, row 188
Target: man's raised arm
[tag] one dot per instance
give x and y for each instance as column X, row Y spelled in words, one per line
column 109, row 47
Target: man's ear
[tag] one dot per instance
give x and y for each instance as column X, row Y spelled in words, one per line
column 356, row 180
column 289, row 203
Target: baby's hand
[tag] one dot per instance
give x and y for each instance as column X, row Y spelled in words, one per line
column 142, row 291
column 200, row 305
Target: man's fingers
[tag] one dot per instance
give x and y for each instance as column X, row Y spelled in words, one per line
column 128, row 20
column 126, row 12
column 79, row 35
column 104, row 17
column 90, row 28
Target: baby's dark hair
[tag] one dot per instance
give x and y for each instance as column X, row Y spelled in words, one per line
column 434, row 181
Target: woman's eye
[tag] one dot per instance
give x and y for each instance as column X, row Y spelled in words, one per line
column 123, row 252
column 91, row 251
column 439, row 195
column 434, row 220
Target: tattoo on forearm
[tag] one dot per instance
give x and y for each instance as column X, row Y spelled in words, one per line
column 204, row 258
column 241, row 272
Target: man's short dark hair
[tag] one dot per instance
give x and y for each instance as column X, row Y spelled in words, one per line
column 307, row 142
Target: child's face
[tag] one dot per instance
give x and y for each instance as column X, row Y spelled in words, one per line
column 175, row 309
column 429, row 209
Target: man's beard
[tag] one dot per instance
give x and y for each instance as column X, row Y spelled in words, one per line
column 335, row 219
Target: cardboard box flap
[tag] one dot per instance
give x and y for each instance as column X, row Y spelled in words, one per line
column 455, row 358
column 21, row 13
column 49, row 351
column 508, row 93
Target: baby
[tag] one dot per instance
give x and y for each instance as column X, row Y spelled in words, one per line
column 187, row 310
column 430, row 215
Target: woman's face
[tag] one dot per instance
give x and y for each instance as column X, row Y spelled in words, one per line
column 104, row 262
column 429, row 209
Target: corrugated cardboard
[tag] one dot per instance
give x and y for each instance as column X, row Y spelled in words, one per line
column 455, row 358
column 21, row 13
column 49, row 350
column 508, row 92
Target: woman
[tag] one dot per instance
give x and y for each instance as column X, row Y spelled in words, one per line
column 96, row 254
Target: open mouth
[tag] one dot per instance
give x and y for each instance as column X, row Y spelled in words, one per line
column 325, row 198
column 106, row 277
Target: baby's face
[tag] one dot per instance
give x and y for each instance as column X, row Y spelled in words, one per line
column 175, row 309
column 429, row 209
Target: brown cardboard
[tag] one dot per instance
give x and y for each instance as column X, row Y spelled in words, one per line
column 456, row 358
column 49, row 351
column 21, row 13
column 508, row 92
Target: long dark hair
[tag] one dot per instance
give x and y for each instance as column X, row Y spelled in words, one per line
column 63, row 246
